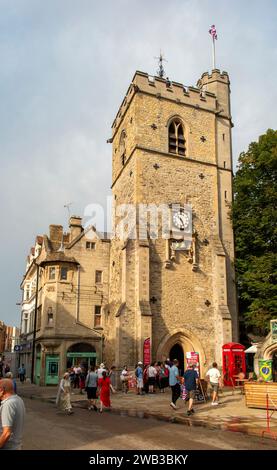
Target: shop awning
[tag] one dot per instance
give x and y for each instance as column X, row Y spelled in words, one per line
column 252, row 349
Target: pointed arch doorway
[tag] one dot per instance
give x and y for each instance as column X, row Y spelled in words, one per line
column 177, row 352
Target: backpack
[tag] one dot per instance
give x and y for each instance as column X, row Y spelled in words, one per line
column 136, row 372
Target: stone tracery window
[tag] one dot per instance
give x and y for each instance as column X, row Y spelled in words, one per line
column 176, row 138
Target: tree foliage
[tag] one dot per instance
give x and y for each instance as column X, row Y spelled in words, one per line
column 254, row 215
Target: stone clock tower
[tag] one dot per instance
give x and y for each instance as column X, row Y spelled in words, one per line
column 172, row 145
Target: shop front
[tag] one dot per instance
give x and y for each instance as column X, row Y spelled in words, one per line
column 84, row 360
column 81, row 354
column 52, row 369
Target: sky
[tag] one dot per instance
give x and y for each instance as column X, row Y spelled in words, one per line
column 65, row 66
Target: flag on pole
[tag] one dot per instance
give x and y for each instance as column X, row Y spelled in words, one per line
column 212, row 32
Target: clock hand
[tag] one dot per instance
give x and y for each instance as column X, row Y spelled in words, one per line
column 182, row 225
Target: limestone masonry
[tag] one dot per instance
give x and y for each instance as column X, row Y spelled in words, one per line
column 171, row 145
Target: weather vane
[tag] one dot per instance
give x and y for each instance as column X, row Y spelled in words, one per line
column 161, row 71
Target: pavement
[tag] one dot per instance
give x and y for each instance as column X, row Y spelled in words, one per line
column 230, row 415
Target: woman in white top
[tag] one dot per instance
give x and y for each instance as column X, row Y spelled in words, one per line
column 214, row 377
column 63, row 396
column 124, row 377
column 101, row 370
column 152, row 372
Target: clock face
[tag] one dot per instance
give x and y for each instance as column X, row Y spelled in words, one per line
column 181, row 220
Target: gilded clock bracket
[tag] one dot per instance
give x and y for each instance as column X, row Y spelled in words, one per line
column 188, row 247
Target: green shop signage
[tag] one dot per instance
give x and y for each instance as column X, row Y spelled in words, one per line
column 76, row 354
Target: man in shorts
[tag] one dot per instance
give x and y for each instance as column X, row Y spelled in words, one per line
column 139, row 378
column 191, row 381
column 214, row 377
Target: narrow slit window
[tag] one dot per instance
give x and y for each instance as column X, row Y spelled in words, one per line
column 98, row 277
column 97, row 315
column 122, row 147
column 176, row 138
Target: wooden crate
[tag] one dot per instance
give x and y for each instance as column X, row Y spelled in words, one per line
column 255, row 394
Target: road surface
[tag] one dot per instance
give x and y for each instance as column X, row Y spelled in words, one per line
column 48, row 430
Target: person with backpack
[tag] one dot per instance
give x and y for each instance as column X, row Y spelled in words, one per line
column 139, row 377
column 163, row 378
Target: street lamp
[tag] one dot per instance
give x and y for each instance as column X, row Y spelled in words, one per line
column 35, row 327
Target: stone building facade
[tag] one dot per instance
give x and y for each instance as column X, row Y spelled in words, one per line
column 171, row 145
column 157, row 292
column 67, row 309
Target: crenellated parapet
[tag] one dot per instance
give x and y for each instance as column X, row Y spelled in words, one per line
column 207, row 78
column 165, row 89
column 218, row 83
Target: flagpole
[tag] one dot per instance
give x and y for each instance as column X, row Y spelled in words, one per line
column 213, row 53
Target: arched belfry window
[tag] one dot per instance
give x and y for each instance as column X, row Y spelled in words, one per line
column 122, row 147
column 176, row 138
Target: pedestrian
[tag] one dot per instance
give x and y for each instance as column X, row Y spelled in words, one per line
column 12, row 415
column 152, row 372
column 105, row 387
column 157, row 366
column 169, row 362
column 112, row 375
column 214, row 378
column 22, row 373
column 63, row 395
column 174, row 382
column 91, row 384
column 77, row 371
column 139, row 377
column 124, row 377
column 163, row 378
column 191, row 381
column 9, row 375
column 100, row 370
column 71, row 376
column 82, row 380
column 145, row 379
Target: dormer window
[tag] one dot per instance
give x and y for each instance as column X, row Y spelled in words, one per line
column 90, row 245
column 176, row 138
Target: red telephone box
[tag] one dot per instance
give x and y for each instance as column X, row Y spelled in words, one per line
column 233, row 356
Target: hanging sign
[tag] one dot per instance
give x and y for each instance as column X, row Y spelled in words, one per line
column 147, row 352
column 193, row 358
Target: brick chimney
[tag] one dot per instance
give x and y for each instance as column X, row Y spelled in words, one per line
column 75, row 226
column 56, row 233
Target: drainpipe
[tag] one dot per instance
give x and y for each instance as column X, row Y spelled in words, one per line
column 78, row 294
column 35, row 328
